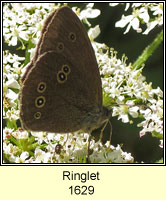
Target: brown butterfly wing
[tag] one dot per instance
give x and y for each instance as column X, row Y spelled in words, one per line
column 66, row 103
column 70, row 102
column 63, row 23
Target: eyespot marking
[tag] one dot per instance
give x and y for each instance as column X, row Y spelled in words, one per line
column 41, row 87
column 72, row 36
column 61, row 77
column 60, row 47
column 40, row 101
column 66, row 69
column 37, row 115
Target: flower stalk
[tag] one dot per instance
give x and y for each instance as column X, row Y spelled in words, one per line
column 148, row 51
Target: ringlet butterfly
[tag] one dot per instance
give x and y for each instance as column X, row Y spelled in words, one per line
column 62, row 89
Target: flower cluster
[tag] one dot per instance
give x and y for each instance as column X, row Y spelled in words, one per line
column 11, row 86
column 141, row 14
column 59, row 148
column 126, row 87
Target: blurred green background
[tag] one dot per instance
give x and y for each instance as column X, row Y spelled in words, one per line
column 146, row 148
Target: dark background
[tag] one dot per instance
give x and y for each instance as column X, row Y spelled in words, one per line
column 132, row 44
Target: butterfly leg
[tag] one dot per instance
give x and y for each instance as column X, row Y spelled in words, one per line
column 102, row 130
column 110, row 131
column 89, row 139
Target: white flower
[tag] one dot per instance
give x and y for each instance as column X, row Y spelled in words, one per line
column 12, row 114
column 40, row 136
column 41, row 156
column 94, row 32
column 113, row 4
column 161, row 143
column 89, row 12
column 19, row 134
column 142, row 14
column 21, row 159
column 153, row 119
column 7, row 132
column 109, row 154
column 150, row 26
column 10, row 149
column 12, row 83
column 11, row 96
column 131, row 20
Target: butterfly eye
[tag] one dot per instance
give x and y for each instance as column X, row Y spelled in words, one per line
column 37, row 115
column 60, row 47
column 61, row 77
column 41, row 87
column 66, row 69
column 40, row 101
column 72, row 36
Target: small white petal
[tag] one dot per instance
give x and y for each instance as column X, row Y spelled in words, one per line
column 94, row 32
column 11, row 95
column 135, row 23
column 12, row 83
column 113, row 4
column 124, row 21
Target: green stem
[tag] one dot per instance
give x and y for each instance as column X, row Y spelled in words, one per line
column 148, row 51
